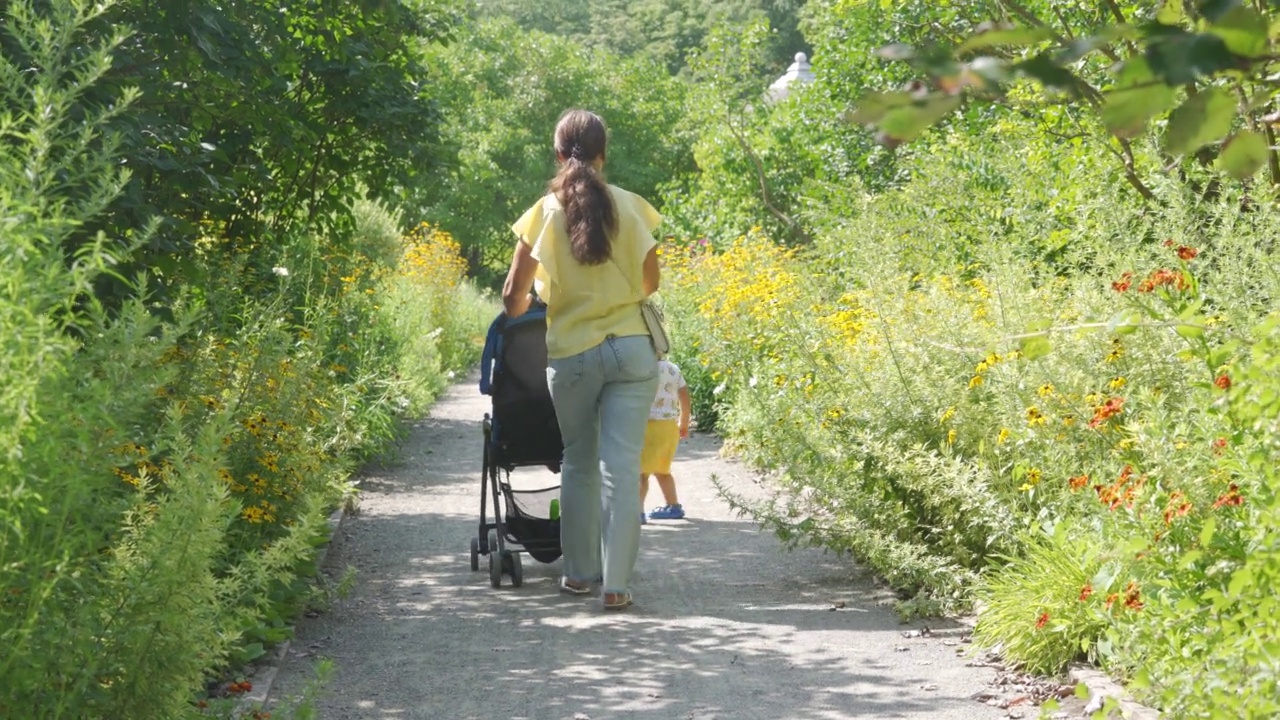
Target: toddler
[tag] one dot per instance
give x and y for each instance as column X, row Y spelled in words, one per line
column 668, row 423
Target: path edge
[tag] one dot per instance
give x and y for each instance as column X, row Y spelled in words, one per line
column 268, row 667
column 1102, row 687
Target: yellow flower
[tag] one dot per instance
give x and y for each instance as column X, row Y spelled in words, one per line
column 1002, row 436
column 948, row 414
column 1046, row 390
column 951, row 436
column 1035, row 417
column 975, row 381
column 1116, row 383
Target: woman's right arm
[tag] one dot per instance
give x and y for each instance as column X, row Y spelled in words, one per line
column 515, row 291
column 652, row 272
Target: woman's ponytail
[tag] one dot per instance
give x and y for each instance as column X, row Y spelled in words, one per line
column 589, row 211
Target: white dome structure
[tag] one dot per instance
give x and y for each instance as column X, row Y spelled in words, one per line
column 799, row 72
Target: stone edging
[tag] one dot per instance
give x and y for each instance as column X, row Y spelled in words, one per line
column 1102, row 687
column 267, row 667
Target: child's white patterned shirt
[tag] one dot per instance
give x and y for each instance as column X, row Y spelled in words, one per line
column 666, row 404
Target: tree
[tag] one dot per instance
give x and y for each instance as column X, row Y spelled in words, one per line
column 253, row 120
column 502, row 91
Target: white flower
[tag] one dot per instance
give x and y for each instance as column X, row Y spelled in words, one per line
column 281, row 271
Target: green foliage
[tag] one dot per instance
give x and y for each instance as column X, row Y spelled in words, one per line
column 171, row 448
column 502, row 91
column 1219, row 53
column 1040, row 609
column 255, row 121
column 666, row 31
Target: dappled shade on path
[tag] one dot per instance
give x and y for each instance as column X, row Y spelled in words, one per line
column 726, row 625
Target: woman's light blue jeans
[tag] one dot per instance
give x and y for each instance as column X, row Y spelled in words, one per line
column 602, row 398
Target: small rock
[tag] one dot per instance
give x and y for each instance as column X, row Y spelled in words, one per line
column 929, row 688
column 901, row 648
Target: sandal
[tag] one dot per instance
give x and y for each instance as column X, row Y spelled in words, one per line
column 621, row 600
column 570, row 587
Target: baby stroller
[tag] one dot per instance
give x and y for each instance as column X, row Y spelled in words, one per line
column 521, row 432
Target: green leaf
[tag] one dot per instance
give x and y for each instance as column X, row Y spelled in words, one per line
column 1011, row 37
column 1035, row 347
column 1179, row 57
column 1215, row 9
column 1244, row 153
column 1124, row 322
column 908, row 123
column 1190, row 327
column 1127, row 112
column 1206, row 532
column 1137, row 98
column 1044, row 68
column 252, row 652
column 1239, row 580
column 873, row 106
column 1243, row 30
column 1200, row 120
column 1171, row 12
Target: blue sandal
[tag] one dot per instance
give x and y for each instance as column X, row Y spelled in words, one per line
column 667, row 512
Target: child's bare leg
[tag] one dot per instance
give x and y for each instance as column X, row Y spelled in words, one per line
column 644, row 488
column 666, row 483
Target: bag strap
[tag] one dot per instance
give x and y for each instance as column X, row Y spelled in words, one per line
column 643, row 297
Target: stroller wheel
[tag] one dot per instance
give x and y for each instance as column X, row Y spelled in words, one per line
column 517, row 570
column 493, row 542
column 495, row 570
column 475, row 554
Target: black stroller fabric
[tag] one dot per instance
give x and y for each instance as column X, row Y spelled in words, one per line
column 525, row 430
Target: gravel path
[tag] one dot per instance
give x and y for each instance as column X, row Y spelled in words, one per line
column 727, row 625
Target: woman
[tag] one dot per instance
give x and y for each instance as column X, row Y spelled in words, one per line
column 589, row 249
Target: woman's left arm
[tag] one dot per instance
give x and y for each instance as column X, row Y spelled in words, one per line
column 515, row 291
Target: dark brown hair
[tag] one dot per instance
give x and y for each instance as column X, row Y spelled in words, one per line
column 589, row 212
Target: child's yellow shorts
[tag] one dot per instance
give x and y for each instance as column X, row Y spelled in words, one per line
column 661, row 437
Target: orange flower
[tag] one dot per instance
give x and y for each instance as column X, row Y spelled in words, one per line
column 1110, row 409
column 1187, row 253
column 1086, row 592
column 1111, row 599
column 1230, row 498
column 1219, row 445
column 1132, row 596
column 1177, row 507
column 1042, row 620
column 1078, row 482
column 1123, row 284
column 1222, row 382
column 1163, row 277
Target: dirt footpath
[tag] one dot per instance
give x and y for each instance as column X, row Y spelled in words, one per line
column 727, row 624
